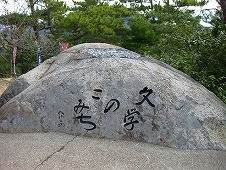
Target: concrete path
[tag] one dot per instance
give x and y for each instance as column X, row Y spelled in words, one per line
column 55, row 151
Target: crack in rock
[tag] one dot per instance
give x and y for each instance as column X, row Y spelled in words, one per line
column 50, row 156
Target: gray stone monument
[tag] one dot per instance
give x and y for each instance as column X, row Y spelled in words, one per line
column 101, row 90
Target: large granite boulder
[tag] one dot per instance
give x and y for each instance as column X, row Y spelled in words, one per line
column 101, row 90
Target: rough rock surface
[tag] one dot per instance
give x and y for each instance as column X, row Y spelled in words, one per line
column 102, row 90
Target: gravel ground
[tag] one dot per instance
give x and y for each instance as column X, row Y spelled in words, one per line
column 55, row 151
column 4, row 83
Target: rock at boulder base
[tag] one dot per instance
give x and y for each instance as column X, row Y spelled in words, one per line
column 101, row 90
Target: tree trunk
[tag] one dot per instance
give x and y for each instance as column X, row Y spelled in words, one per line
column 151, row 2
column 34, row 21
column 168, row 6
column 222, row 4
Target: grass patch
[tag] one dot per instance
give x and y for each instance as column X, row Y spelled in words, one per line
column 4, row 83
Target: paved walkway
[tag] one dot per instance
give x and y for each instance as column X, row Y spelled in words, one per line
column 55, row 151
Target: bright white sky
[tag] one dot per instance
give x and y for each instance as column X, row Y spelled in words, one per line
column 20, row 5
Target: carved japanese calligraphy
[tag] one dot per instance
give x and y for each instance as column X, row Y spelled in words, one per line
column 82, row 117
column 145, row 96
column 129, row 119
column 110, row 104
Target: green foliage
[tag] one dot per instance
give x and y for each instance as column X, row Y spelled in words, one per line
column 4, row 65
column 15, row 19
column 52, row 13
column 182, row 3
column 84, row 5
column 140, row 34
column 191, row 48
column 102, row 22
column 142, row 30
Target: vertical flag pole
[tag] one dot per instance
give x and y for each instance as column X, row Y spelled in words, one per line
column 14, row 57
column 39, row 56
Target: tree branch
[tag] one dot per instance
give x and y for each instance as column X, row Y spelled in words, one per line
column 46, row 27
column 4, row 59
column 79, row 36
column 11, row 45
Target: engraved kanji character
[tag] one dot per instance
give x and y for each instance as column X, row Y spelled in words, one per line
column 129, row 119
column 145, row 92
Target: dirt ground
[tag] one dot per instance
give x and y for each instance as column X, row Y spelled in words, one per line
column 4, row 83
